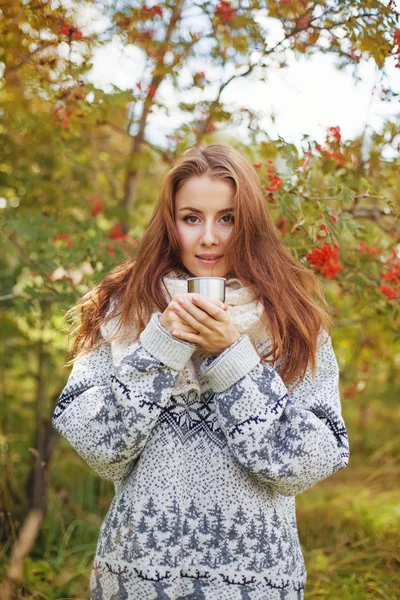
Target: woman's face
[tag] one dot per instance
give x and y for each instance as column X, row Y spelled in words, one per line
column 204, row 221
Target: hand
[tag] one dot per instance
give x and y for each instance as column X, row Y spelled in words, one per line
column 214, row 330
column 171, row 320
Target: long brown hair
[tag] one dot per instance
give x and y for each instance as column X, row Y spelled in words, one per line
column 288, row 290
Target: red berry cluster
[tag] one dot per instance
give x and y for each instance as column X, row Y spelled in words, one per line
column 97, row 205
column 331, row 151
column 281, row 222
column 124, row 241
column 392, row 276
column 152, row 11
column 335, row 132
column 364, row 248
column 148, row 89
column 326, row 259
column 63, row 236
column 225, row 11
column 62, row 113
column 71, row 31
column 323, row 232
column 334, row 217
column 275, row 182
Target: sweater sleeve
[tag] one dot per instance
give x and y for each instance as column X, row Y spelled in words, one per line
column 107, row 413
column 292, row 440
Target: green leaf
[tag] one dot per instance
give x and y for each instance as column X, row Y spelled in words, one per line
column 297, row 224
column 365, row 183
column 347, row 196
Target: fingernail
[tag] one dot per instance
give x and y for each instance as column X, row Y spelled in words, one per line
column 195, row 297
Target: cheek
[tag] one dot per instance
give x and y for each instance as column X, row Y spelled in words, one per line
column 225, row 235
column 185, row 237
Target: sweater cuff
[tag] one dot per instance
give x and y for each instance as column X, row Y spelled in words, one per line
column 165, row 347
column 231, row 365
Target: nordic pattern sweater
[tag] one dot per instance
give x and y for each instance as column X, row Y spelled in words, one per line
column 205, row 486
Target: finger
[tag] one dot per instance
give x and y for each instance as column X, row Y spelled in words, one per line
column 177, row 319
column 191, row 315
column 209, row 300
column 212, row 300
column 203, row 302
column 182, row 326
column 188, row 337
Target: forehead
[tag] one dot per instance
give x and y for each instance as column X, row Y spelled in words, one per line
column 205, row 191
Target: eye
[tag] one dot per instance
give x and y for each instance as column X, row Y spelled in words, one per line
column 190, row 217
column 231, row 218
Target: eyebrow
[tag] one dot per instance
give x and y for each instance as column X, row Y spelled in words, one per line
column 224, row 210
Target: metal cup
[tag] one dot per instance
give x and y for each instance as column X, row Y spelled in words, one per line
column 213, row 287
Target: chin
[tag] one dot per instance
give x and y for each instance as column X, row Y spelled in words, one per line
column 206, row 272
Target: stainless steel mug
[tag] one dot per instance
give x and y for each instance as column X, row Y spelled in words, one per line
column 213, row 287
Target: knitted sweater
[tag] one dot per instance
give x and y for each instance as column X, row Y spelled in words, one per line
column 205, row 484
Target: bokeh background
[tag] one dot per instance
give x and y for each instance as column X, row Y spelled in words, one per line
column 96, row 101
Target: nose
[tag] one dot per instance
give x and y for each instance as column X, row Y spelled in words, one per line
column 209, row 235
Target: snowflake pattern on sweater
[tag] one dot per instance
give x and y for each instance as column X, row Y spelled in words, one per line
column 205, row 484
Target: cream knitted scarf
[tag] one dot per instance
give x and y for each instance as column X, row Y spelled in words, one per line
column 245, row 313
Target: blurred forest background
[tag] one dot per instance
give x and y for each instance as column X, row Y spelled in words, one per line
column 78, row 181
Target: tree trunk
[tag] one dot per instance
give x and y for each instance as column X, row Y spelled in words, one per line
column 45, row 435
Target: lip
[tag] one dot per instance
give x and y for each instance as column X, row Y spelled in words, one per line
column 209, row 261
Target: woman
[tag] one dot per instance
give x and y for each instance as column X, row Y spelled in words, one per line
column 208, row 417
